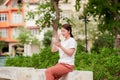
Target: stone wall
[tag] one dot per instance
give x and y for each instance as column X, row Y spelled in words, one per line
column 22, row 73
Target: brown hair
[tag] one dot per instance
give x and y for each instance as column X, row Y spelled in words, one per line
column 68, row 27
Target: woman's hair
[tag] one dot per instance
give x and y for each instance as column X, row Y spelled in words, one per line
column 68, row 27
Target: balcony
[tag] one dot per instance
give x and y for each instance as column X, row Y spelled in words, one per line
column 3, row 7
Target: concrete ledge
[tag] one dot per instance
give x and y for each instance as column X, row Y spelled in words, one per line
column 78, row 75
column 24, row 73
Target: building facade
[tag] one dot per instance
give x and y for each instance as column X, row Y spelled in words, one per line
column 11, row 17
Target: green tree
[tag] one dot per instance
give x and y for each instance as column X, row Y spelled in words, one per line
column 48, row 14
column 25, row 37
column 108, row 14
column 47, row 38
column 103, row 41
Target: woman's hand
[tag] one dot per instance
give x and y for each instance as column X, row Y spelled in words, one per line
column 54, row 42
column 69, row 52
column 58, row 44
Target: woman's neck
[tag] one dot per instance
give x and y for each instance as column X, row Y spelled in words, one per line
column 67, row 37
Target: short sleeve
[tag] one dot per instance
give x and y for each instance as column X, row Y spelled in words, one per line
column 72, row 43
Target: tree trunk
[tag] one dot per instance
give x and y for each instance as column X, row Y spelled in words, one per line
column 55, row 23
column 116, row 30
column 117, row 44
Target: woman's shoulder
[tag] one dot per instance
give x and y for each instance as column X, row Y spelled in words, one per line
column 72, row 39
column 72, row 42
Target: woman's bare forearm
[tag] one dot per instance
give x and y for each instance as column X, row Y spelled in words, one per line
column 54, row 48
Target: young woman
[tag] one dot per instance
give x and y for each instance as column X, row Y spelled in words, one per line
column 67, row 50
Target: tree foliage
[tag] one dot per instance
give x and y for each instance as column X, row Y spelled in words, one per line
column 103, row 41
column 47, row 38
column 108, row 13
column 77, row 5
column 48, row 14
column 25, row 37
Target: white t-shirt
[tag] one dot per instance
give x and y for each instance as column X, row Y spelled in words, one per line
column 67, row 44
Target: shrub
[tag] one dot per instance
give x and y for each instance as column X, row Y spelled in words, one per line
column 2, row 44
column 42, row 60
column 45, row 58
column 104, row 40
column 104, row 65
column 19, row 61
column 47, row 38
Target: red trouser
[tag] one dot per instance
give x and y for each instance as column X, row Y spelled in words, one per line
column 60, row 69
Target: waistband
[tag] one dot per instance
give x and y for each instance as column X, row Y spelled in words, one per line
column 67, row 65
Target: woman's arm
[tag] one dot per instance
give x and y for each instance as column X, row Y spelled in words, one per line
column 69, row 52
column 53, row 45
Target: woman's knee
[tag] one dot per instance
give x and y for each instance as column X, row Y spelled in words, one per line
column 48, row 71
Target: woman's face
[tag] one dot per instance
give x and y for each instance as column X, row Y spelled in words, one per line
column 65, row 33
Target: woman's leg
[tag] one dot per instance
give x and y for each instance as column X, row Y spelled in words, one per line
column 55, row 72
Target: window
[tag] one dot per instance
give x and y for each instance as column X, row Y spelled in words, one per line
column 3, row 17
column 4, row 33
column 35, row 31
column 16, row 18
column 15, row 32
column 14, row 3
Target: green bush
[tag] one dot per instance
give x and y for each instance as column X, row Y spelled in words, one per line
column 19, row 61
column 47, row 38
column 45, row 58
column 2, row 44
column 42, row 60
column 104, row 40
column 80, row 48
column 105, row 65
